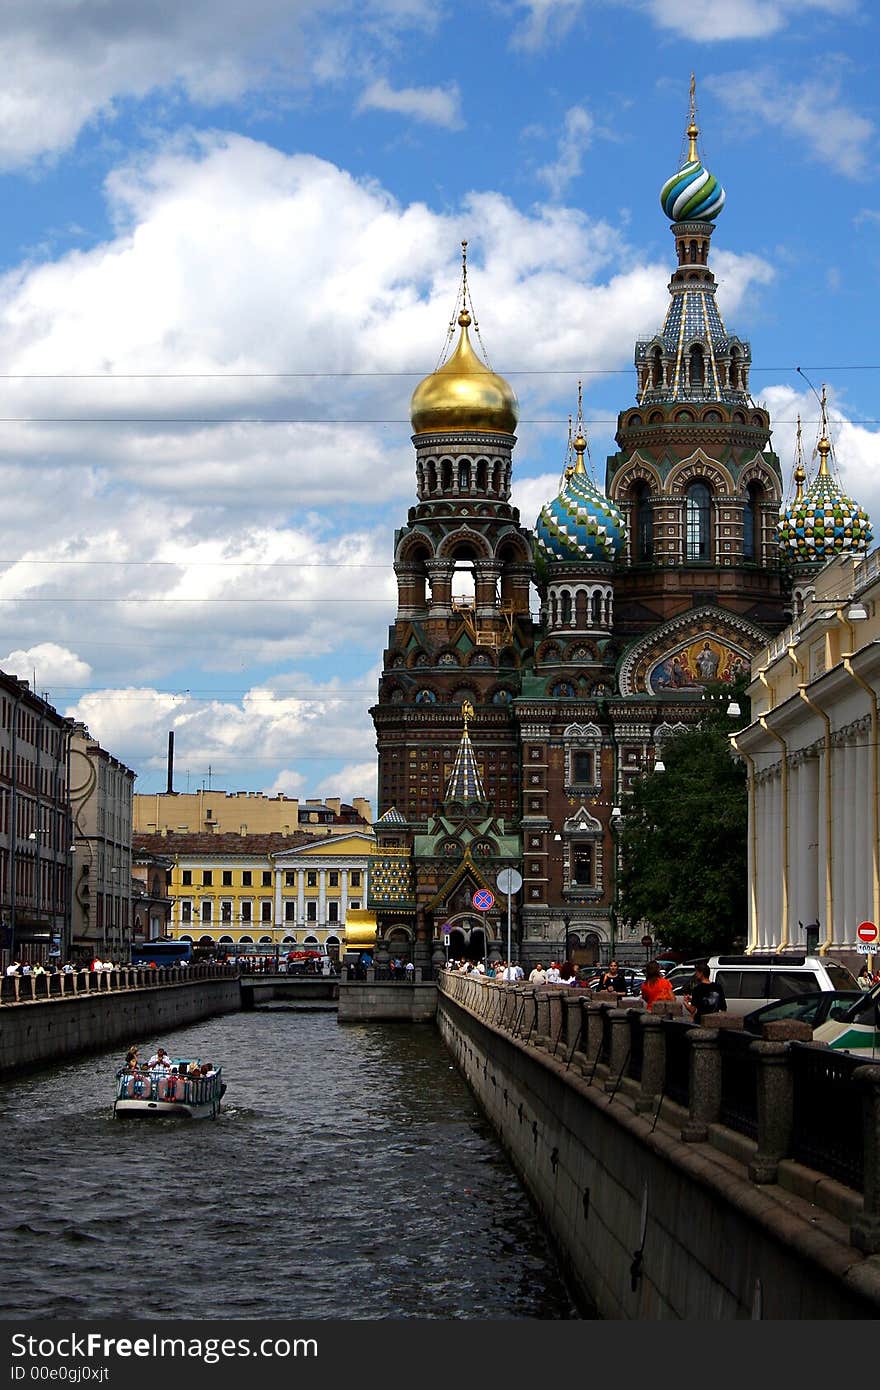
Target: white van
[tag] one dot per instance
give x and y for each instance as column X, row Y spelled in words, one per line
column 749, row 981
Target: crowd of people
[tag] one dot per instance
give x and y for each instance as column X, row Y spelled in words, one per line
column 160, row 1078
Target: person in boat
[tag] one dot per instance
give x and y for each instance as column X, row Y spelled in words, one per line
column 207, row 1069
column 193, row 1070
column 131, row 1059
column 160, row 1061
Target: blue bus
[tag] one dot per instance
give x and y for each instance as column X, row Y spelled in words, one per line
column 162, row 952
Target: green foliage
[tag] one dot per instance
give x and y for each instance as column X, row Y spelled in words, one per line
column 684, row 843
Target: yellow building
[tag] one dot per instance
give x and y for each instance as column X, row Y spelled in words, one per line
column 244, row 813
column 265, row 890
column 812, row 751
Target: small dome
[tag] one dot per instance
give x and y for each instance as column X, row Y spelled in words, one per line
column 823, row 522
column 464, row 394
column 581, row 523
column 692, row 195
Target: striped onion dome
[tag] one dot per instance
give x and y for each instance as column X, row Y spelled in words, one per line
column 823, row 521
column 692, row 195
column 580, row 523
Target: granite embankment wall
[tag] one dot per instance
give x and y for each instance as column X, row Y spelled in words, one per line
column 657, row 1209
column 47, row 1030
column 390, row 1001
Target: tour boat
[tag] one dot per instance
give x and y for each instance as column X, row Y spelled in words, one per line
column 158, row 1092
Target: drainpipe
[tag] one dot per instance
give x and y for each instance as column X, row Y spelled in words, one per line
column 753, row 837
column 783, row 933
column 829, row 809
column 875, row 779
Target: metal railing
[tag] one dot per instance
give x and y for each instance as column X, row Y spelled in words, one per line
column 31, row 989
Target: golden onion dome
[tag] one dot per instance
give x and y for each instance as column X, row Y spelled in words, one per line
column 464, row 394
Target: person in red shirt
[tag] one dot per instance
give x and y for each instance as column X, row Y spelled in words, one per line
column 656, row 985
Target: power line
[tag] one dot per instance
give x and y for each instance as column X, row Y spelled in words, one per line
column 385, row 375
column 214, row 420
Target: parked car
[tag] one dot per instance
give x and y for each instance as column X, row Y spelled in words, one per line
column 857, row 1029
column 749, row 981
column 813, row 1008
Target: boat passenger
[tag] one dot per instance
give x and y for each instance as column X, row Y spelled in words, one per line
column 159, row 1058
column 207, row 1069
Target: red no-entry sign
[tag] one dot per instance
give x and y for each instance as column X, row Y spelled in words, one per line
column 866, row 931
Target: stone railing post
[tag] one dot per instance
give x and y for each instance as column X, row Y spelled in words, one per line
column 618, row 1055
column 775, row 1095
column 508, row 1006
column 865, row 1230
column 653, row 1062
column 555, row 1018
column 527, row 1021
column 571, row 1021
column 594, row 1032
column 704, row 1090
column 371, row 974
column 541, row 1034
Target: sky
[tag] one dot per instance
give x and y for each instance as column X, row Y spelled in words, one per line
column 229, row 251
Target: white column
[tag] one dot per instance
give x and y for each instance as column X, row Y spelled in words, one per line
column 279, row 914
column 812, row 873
column 343, row 895
column 863, row 883
column 322, row 897
column 300, row 897
column 843, row 830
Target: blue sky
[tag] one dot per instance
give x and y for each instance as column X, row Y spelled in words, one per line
column 230, row 249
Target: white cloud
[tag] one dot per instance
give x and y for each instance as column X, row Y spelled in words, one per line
column 576, row 136
column 736, row 19
column 69, row 63
column 435, row 105
column 358, row 779
column 544, row 21
column 834, row 133
column 46, row 664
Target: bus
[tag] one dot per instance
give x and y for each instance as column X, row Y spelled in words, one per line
column 162, row 952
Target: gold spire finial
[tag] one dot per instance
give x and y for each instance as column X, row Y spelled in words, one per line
column 569, row 466
column 693, row 129
column 467, row 713
column 824, row 445
column 800, row 473
column 580, row 440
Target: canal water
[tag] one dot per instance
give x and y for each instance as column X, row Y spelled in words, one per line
column 349, row 1175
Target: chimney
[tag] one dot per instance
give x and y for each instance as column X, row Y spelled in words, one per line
column 170, row 787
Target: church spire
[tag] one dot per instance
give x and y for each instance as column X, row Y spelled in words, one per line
column 465, row 783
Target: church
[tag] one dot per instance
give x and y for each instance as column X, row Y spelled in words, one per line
column 508, row 739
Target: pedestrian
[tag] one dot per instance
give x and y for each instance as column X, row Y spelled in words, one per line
column 706, row 996
column 865, row 978
column 656, row 986
column 611, row 980
column 538, row 976
column 410, row 971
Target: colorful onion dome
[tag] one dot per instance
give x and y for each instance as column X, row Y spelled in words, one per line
column 464, row 394
column 693, row 194
column 580, row 523
column 823, row 521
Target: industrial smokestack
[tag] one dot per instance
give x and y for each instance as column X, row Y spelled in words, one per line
column 170, row 788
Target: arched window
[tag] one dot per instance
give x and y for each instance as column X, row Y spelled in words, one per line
column 596, row 608
column 643, row 516
column 566, row 606
column 657, row 368
column 698, row 374
column 698, row 506
column 464, row 476
column 752, row 522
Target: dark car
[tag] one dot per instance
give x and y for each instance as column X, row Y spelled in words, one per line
column 814, row 1008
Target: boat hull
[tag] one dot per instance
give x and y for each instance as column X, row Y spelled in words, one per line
column 165, row 1109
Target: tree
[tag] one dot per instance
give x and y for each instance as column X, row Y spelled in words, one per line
column 684, row 844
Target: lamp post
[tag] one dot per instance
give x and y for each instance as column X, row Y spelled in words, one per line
column 509, row 881
column 616, row 823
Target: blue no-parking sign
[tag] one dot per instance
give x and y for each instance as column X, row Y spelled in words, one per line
column 483, row 900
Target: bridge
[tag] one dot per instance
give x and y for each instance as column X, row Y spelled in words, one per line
column 304, row 993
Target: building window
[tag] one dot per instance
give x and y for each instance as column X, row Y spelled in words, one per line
column 266, row 910
column 246, row 878
column 267, row 878
column 207, row 877
column 290, row 912
column 333, row 912
column 355, row 878
column 186, row 877
column 227, row 878
column 245, row 912
column 752, row 523
column 311, row 879
column 186, row 909
column 582, row 767
column 698, row 508
column 206, row 912
column 311, row 912
column 226, row 911
column 354, row 905
column 290, row 878
column 334, row 878
column 583, row 865
column 644, row 519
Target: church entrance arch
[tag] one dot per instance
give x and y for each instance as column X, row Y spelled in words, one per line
column 467, row 940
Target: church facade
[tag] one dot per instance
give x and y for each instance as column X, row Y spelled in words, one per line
column 654, row 592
